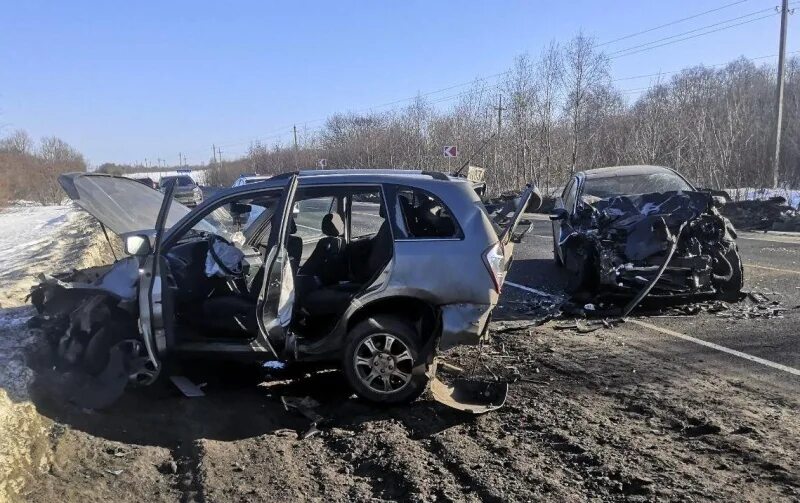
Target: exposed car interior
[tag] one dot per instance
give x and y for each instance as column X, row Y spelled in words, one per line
column 337, row 241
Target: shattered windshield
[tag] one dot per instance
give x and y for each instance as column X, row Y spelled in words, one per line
column 633, row 184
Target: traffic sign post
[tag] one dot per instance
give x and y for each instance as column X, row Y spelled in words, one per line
column 450, row 151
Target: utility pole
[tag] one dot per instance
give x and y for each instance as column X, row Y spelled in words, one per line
column 214, row 152
column 294, row 131
column 776, row 159
column 219, row 151
column 499, row 128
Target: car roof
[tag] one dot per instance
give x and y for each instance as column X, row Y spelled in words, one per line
column 376, row 175
column 635, row 169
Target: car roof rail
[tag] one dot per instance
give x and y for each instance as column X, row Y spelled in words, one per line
column 436, row 175
column 287, row 174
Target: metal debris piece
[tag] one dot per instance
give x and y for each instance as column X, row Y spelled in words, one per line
column 305, row 406
column 187, row 387
column 470, row 395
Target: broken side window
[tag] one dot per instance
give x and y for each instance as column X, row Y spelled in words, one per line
column 425, row 215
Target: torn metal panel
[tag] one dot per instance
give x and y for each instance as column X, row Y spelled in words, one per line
column 88, row 320
column 463, row 324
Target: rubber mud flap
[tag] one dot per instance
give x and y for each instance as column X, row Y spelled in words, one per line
column 470, row 395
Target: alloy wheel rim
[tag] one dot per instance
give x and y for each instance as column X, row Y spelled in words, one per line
column 383, row 363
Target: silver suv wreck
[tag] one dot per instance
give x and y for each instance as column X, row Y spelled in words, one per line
column 374, row 269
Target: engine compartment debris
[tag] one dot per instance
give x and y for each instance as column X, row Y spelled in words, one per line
column 660, row 244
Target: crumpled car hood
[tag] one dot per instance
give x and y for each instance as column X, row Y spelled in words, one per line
column 121, row 204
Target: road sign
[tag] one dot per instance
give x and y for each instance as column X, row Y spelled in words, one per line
column 323, row 163
column 450, row 151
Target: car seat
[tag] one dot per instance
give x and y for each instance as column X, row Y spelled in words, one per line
column 327, row 262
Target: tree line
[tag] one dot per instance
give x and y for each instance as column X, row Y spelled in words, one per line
column 551, row 114
column 29, row 170
column 560, row 112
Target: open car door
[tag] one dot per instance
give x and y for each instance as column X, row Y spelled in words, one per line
column 156, row 309
column 529, row 200
column 276, row 298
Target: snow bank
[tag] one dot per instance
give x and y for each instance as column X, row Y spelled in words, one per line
column 748, row 193
column 25, row 230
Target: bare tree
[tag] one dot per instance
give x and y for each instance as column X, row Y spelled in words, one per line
column 585, row 71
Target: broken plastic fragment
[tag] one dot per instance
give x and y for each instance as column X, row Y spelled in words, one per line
column 274, row 364
column 187, row 387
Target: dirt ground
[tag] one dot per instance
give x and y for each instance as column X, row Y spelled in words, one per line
column 591, row 417
column 620, row 414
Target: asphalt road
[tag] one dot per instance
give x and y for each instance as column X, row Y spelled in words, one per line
column 772, row 266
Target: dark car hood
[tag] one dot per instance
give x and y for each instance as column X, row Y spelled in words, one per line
column 121, row 204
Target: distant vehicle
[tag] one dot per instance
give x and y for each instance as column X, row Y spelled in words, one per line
column 187, row 192
column 625, row 228
column 248, row 179
column 406, row 263
column 146, row 180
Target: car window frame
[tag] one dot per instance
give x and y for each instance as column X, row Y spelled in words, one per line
column 400, row 220
column 348, row 208
column 574, row 184
column 186, row 223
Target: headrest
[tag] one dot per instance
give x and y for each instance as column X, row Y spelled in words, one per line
column 332, row 225
column 292, row 226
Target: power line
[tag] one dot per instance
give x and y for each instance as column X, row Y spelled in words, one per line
column 761, row 11
column 671, row 23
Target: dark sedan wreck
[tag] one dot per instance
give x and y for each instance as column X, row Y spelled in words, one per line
column 644, row 230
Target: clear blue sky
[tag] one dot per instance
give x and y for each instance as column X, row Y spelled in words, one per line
column 122, row 81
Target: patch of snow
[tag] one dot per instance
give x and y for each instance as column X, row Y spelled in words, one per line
column 27, row 231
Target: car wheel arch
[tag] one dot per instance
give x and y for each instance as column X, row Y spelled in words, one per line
column 423, row 315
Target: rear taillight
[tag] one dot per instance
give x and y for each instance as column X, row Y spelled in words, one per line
column 495, row 260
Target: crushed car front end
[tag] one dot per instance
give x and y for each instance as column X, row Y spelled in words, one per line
column 676, row 243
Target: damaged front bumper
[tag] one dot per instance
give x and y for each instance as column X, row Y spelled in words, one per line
column 672, row 244
column 90, row 333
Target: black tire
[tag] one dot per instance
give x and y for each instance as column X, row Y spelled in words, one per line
column 582, row 278
column 375, row 329
column 103, row 338
column 731, row 289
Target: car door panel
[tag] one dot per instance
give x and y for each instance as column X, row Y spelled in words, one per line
column 276, row 298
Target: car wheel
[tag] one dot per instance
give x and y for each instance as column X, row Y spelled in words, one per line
column 582, row 277
column 731, row 288
column 382, row 360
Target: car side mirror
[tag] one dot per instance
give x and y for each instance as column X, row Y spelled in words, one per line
column 240, row 208
column 559, row 214
column 137, row 245
column 535, row 202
